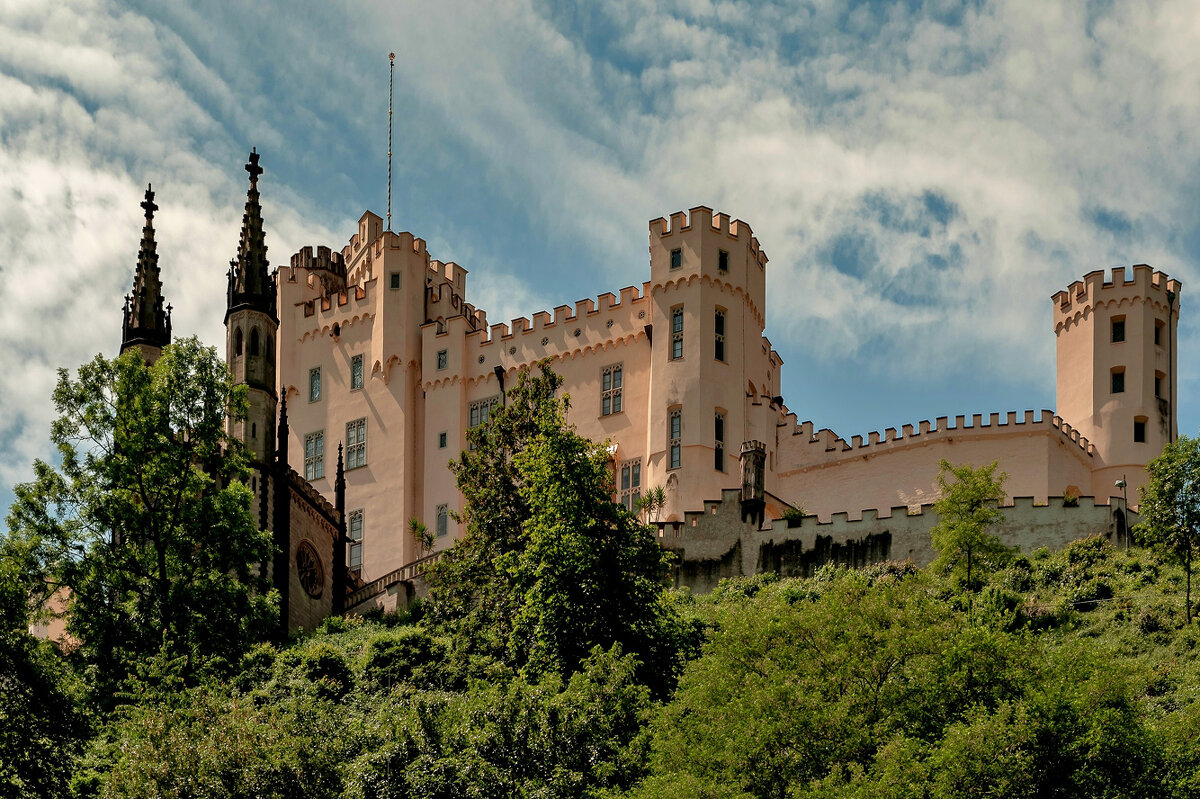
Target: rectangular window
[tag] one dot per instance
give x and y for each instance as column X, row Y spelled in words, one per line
column 723, row 261
column 442, row 359
column 314, row 384
column 1158, row 329
column 354, row 531
column 719, row 326
column 314, row 455
column 1118, row 330
column 356, row 443
column 1139, row 431
column 480, row 411
column 676, row 259
column 719, row 446
column 443, row 520
column 442, row 440
column 676, row 332
column 629, row 487
column 356, row 372
column 1118, row 381
column 674, row 436
column 610, row 390
column 395, row 277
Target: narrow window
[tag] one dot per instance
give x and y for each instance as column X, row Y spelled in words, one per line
column 1158, row 333
column 354, row 531
column 314, row 384
column 356, row 443
column 674, row 434
column 610, row 390
column 630, row 487
column 443, row 520
column 723, row 261
column 676, row 332
column 1158, row 384
column 442, row 440
column 1118, row 329
column 314, row 455
column 442, row 359
column 254, row 341
column 676, row 259
column 395, row 276
column 1118, row 380
column 237, row 347
column 1139, row 430
column 719, row 327
column 254, row 430
column 356, row 372
column 719, row 445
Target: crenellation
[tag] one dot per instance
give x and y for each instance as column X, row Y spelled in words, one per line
column 563, row 313
column 960, row 422
column 889, row 434
column 907, row 430
column 542, row 320
column 923, row 427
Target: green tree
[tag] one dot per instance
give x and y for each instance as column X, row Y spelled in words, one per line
column 148, row 522
column 1170, row 507
column 549, row 566
column 967, row 507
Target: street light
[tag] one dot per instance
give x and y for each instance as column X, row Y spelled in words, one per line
column 1124, row 508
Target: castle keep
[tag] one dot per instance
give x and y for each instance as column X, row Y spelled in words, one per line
column 376, row 351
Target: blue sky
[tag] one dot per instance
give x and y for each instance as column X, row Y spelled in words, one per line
column 923, row 176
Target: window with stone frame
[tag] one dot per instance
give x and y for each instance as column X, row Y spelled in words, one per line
column 356, row 443
column 719, row 439
column 356, row 372
column 610, row 390
column 719, row 334
column 676, row 258
column 629, row 484
column 314, row 456
column 443, row 520
column 479, row 411
column 674, row 438
column 314, row 384
column 443, row 359
column 676, row 332
column 354, row 531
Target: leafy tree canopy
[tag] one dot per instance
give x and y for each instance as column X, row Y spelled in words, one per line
column 966, row 509
column 1170, row 507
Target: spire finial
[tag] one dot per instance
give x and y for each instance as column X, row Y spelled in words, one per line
column 252, row 166
column 148, row 203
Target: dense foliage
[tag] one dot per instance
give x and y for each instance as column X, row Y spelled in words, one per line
column 1170, row 508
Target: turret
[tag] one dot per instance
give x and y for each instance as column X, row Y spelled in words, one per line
column 146, row 325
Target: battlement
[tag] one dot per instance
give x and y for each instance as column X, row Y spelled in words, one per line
column 833, row 446
column 324, row 259
column 448, row 272
column 702, row 218
column 1093, row 289
column 584, row 309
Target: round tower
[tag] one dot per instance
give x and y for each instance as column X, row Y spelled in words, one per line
column 1116, row 375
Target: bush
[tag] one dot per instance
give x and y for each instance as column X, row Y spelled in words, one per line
column 325, row 666
column 408, row 655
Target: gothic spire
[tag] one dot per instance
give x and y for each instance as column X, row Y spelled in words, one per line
column 250, row 281
column 146, row 323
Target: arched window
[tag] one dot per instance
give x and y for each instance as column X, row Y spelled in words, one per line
column 237, row 347
column 254, row 341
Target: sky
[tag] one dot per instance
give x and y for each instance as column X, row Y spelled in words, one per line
column 922, row 175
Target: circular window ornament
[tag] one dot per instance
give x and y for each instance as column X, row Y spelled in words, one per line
column 309, row 570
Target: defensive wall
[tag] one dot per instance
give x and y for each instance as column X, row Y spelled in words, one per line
column 715, row 543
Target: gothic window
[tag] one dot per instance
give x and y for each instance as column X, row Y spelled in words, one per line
column 676, row 332
column 480, row 410
column 314, row 384
column 676, row 258
column 1118, row 329
column 674, row 438
column 443, row 520
column 629, row 485
column 443, row 359
column 719, row 446
column 610, row 390
column 354, row 531
column 237, row 345
column 1118, row 379
column 254, row 341
column 719, row 327
column 723, row 261
column 314, row 455
column 356, row 372
column 356, row 443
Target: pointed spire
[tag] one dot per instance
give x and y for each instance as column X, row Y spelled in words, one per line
column 282, row 449
column 146, row 322
column 250, row 280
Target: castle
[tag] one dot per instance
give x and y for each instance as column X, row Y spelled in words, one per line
column 374, row 351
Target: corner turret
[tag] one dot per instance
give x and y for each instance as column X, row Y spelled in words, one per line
column 146, row 325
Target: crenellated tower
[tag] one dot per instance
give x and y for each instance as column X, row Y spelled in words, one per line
column 146, row 325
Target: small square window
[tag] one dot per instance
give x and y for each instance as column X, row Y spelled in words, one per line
column 1139, row 431
column 723, row 261
column 676, row 259
column 395, row 280
column 442, row 359
column 356, row 372
column 1118, row 330
column 314, row 384
column 442, row 440
column 1118, row 382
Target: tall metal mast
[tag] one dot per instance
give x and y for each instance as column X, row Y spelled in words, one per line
column 391, row 69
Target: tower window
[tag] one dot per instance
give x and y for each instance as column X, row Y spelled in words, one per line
column 442, row 440
column 719, row 327
column 314, row 384
column 443, row 520
column 719, row 445
column 676, row 332
column 480, row 410
column 1118, row 380
column 674, row 438
column 254, row 341
column 354, row 531
column 676, row 258
column 443, row 359
column 237, row 343
column 1139, row 430
column 610, row 390
column 1118, row 329
column 1158, row 384
column 356, row 443
column 356, row 372
column 723, row 261
column 1158, row 330
column 630, row 486
column 314, row 456
column 395, row 280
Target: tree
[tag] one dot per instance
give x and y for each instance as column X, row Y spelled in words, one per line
column 1170, row 507
column 549, row 566
column 148, row 521
column 967, row 507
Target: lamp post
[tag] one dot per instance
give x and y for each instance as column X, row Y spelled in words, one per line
column 1124, row 508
